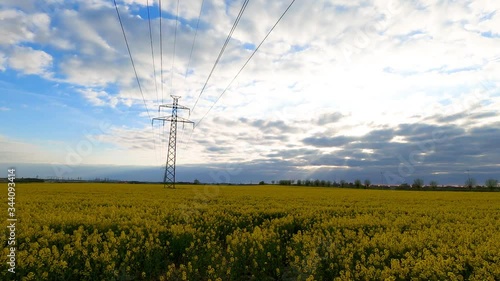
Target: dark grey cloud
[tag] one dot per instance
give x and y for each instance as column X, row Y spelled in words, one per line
column 293, row 153
column 380, row 135
column 262, row 139
column 481, row 115
column 243, row 133
column 218, row 149
column 440, row 118
column 337, row 141
column 451, row 118
column 428, row 150
column 422, row 132
column 328, row 118
column 202, row 141
column 372, row 140
column 270, row 126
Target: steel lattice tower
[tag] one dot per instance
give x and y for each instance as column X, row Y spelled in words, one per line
column 169, row 177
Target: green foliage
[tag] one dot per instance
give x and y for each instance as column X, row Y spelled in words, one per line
column 316, row 183
column 285, row 182
column 470, row 182
column 367, row 183
column 357, row 183
column 433, row 184
column 491, row 183
column 418, row 183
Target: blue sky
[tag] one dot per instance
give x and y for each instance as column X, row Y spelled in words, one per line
column 386, row 90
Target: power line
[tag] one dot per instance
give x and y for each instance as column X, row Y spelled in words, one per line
column 243, row 7
column 245, row 64
column 154, row 73
column 194, row 39
column 173, row 55
column 152, row 52
column 157, row 153
column 191, row 54
column 161, row 54
column 131, row 59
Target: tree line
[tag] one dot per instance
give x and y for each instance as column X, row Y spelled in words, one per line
column 418, row 183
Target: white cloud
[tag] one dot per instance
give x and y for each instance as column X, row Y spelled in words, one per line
column 379, row 63
column 3, row 61
column 91, row 73
column 4, row 108
column 18, row 26
column 99, row 97
column 96, row 98
column 30, row 61
column 89, row 34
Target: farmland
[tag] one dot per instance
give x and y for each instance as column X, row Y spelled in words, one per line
column 197, row 232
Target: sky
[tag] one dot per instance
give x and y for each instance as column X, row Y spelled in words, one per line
column 388, row 91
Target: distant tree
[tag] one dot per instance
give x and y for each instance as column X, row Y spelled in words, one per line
column 343, row 183
column 316, row 182
column 470, row 183
column 272, row 182
column 299, row 182
column 328, row 183
column 367, row 183
column 262, row 183
column 491, row 183
column 307, row 183
column 433, row 184
column 418, row 183
column 323, row 183
column 404, row 185
column 196, row 181
column 357, row 183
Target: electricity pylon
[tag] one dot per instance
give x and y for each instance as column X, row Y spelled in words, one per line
column 169, row 177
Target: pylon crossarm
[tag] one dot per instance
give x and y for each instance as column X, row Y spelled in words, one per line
column 184, row 120
column 164, row 118
column 158, row 119
column 174, row 106
column 171, row 119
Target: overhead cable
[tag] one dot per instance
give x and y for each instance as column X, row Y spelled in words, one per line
column 131, row 59
column 245, row 64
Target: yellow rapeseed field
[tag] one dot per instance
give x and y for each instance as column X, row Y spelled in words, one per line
column 145, row 232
